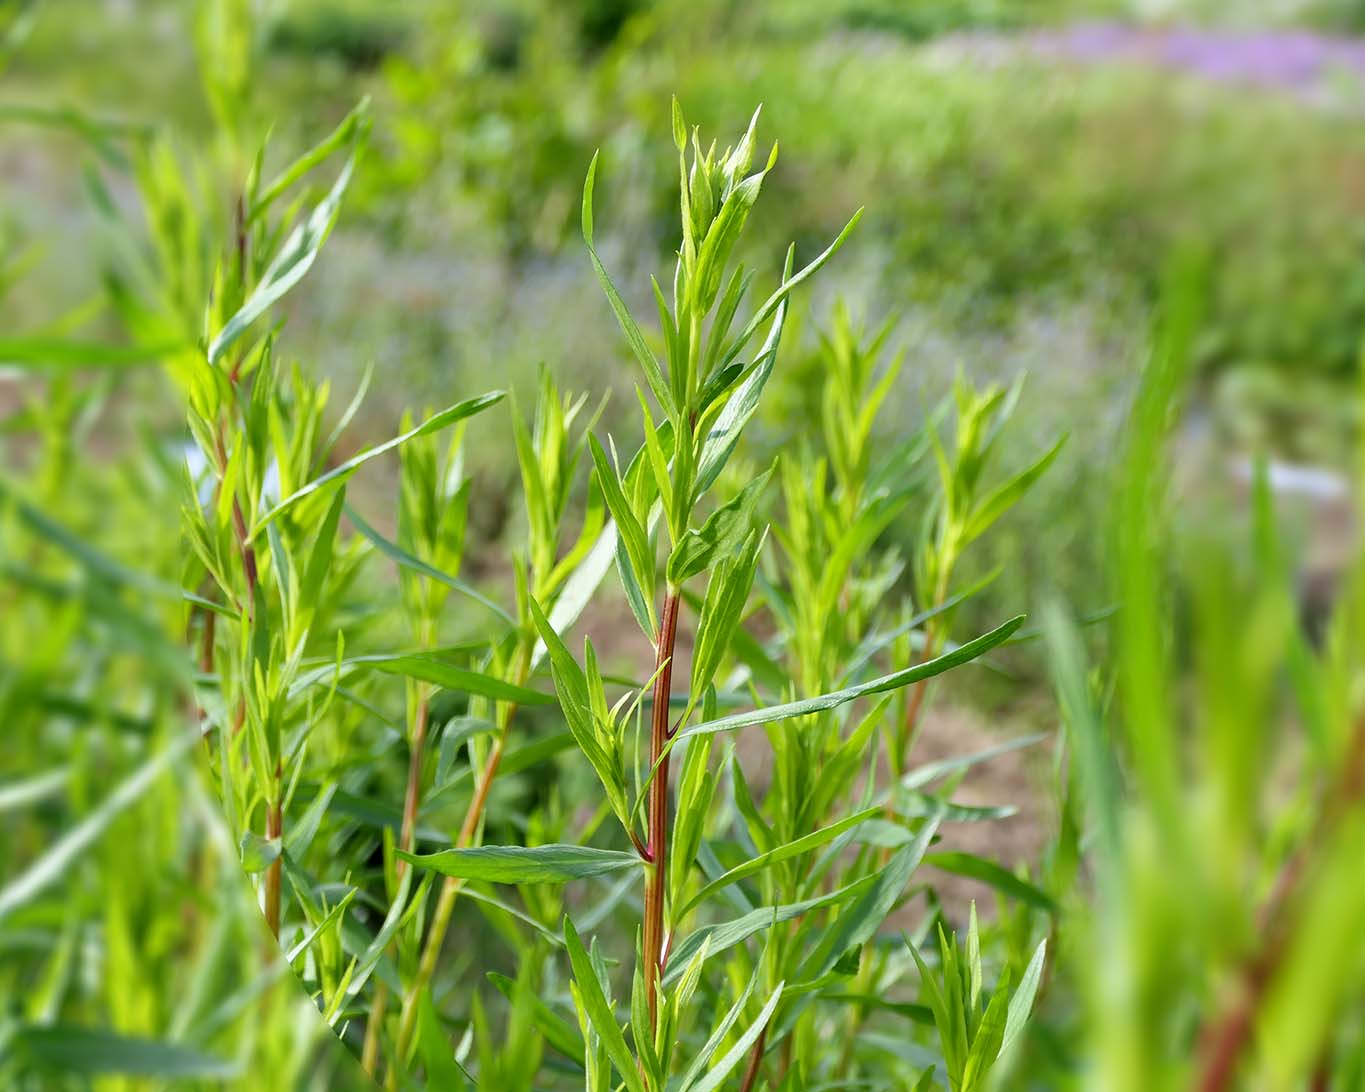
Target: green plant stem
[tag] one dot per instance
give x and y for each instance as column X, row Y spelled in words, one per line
column 369, row 1056
column 653, row 944
column 450, row 889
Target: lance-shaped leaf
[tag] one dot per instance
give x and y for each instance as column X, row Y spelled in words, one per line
column 789, row 284
column 636, row 339
column 860, row 921
column 1005, row 496
column 743, row 1045
column 294, row 259
column 634, row 556
column 1021, row 1004
column 571, row 684
column 719, row 536
column 524, row 864
column 726, row 594
column 814, row 840
column 992, row 874
column 396, row 553
column 579, row 587
column 426, row 668
column 597, row 1008
column 964, row 653
column 723, row 435
column 93, row 1052
column 448, row 416
column 721, row 936
column 53, row 352
column 347, row 131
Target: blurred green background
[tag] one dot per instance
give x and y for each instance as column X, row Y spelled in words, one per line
column 1027, row 176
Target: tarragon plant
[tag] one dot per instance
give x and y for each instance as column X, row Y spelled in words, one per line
column 681, row 554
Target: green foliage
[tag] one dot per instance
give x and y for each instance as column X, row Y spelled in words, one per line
column 681, row 859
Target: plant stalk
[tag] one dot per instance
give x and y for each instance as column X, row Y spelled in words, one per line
column 274, row 829
column 413, row 797
column 450, row 889
column 369, row 1056
column 1225, row 1036
column 755, row 1062
column 915, row 706
column 657, row 876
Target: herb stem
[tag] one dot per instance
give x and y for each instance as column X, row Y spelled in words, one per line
column 915, row 706
column 450, row 889
column 1225, row 1036
column 657, row 875
column 755, row 1061
column 369, row 1057
column 274, row 830
column 412, row 798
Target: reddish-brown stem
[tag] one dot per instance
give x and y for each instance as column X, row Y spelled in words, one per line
column 657, row 876
column 1322, row 1073
column 413, row 797
column 445, row 905
column 1226, row 1035
column 450, row 889
column 369, row 1057
column 274, row 829
column 915, row 706
column 755, row 1061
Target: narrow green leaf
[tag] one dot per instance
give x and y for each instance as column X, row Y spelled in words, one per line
column 396, row 553
column 448, row 416
column 599, row 1011
column 643, row 353
column 1021, row 1004
column 932, row 771
column 558, row 1032
column 522, row 864
column 789, row 285
column 91, row 1052
column 805, row 844
column 55, row 352
column 294, row 259
column 722, row 436
column 992, row 874
column 56, row 858
column 717, row 1036
column 1004, row 497
column 719, row 536
column 743, row 1045
column 579, row 587
column 989, row 1033
column 427, row 668
column 342, row 135
column 634, row 540
column 320, row 562
column 721, row 936
column 860, row 921
column 302, row 832
column 964, row 653
column 29, row 790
